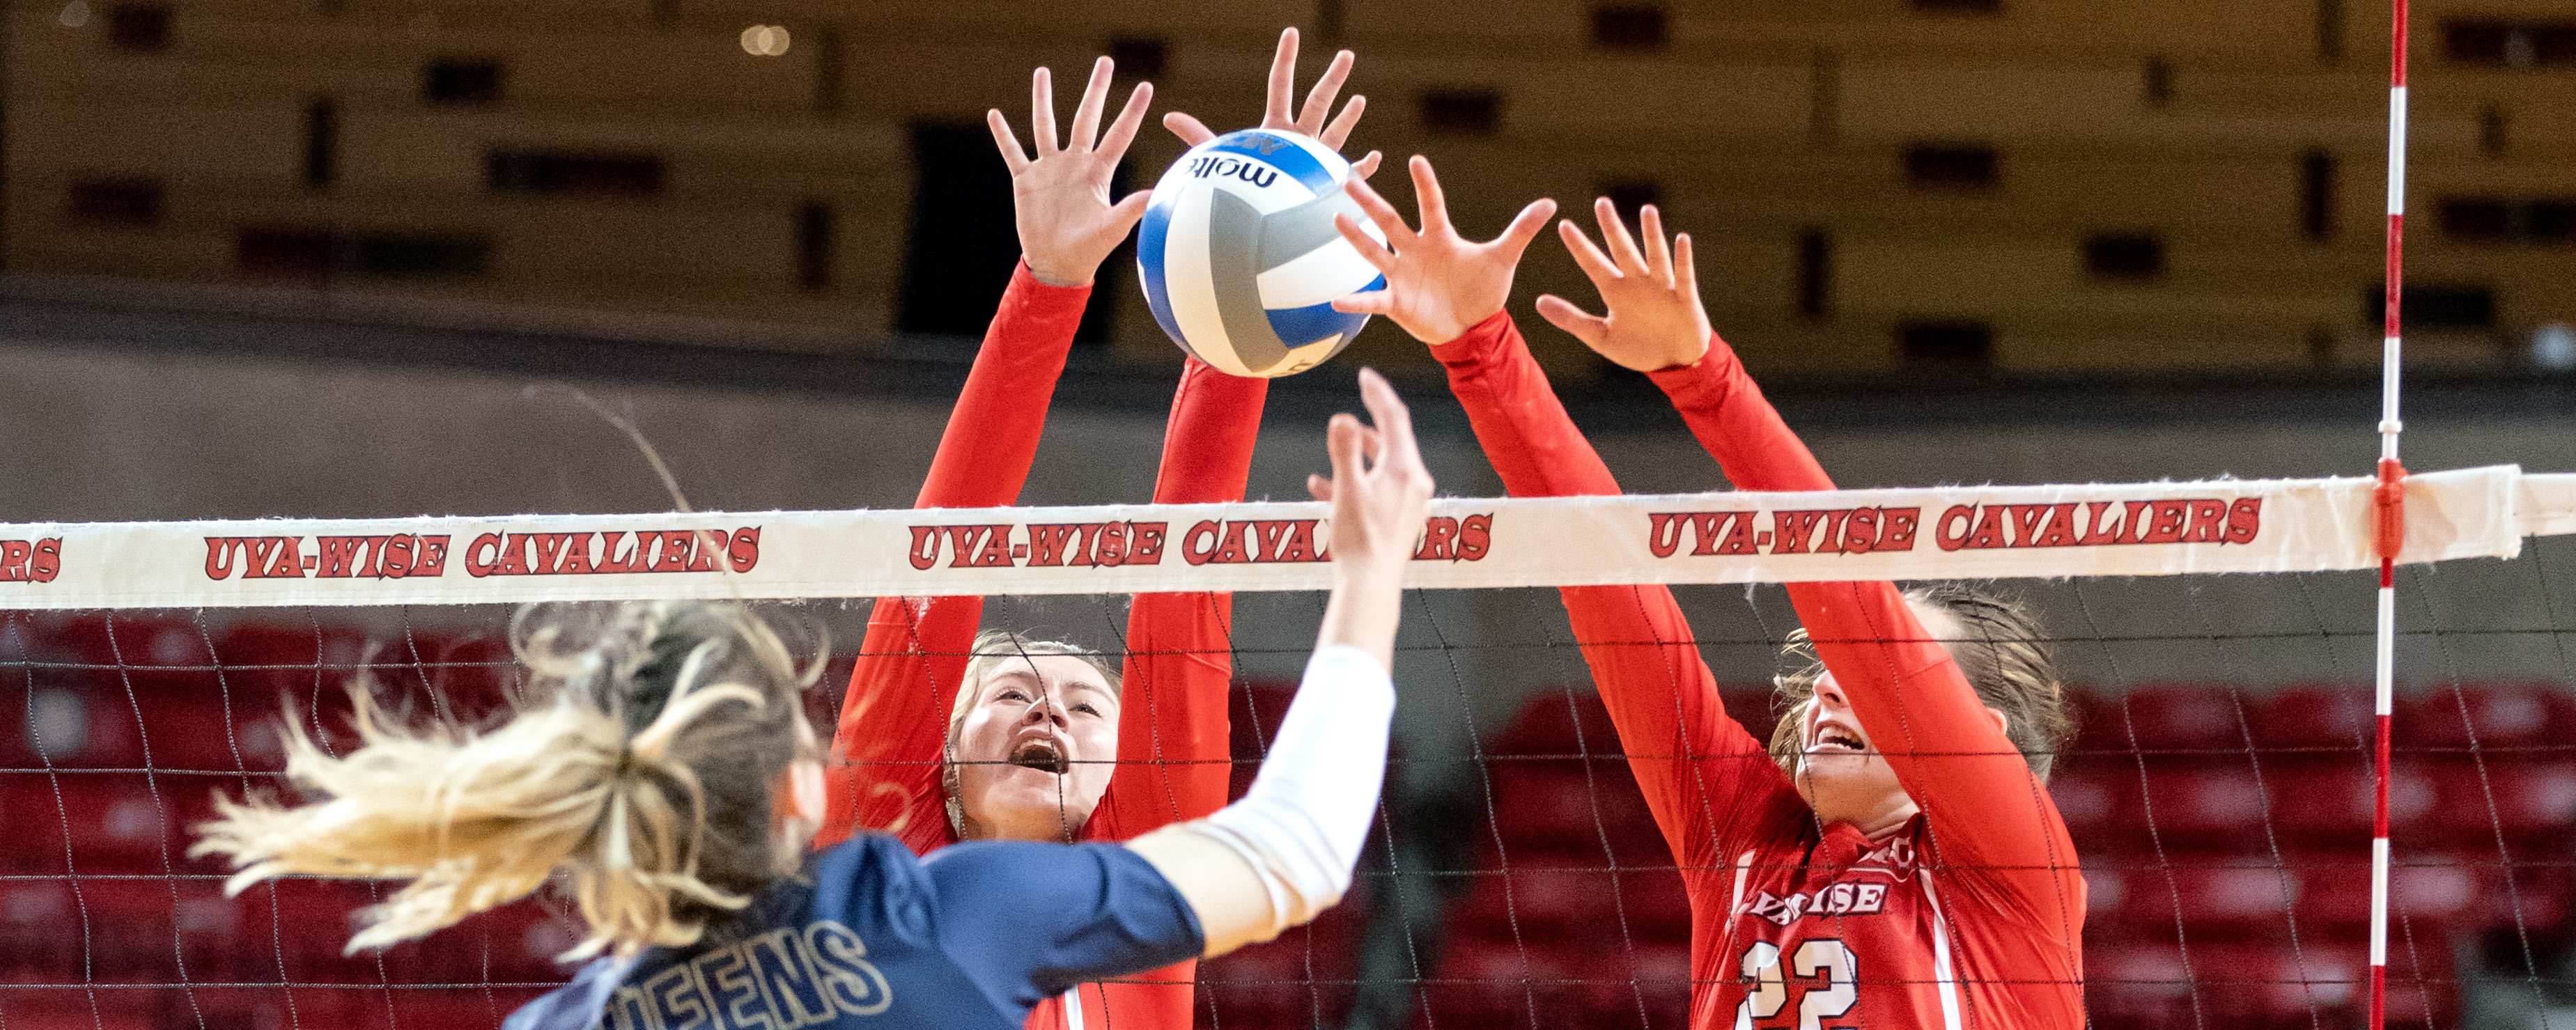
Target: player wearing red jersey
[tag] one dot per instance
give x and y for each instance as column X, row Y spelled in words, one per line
column 947, row 736
column 1892, row 859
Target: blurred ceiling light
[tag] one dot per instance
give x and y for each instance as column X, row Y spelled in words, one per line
column 764, row 40
column 75, row 14
column 2553, row 347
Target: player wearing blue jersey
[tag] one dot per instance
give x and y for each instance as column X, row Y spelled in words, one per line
column 665, row 774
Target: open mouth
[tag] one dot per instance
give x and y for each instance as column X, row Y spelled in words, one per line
column 1831, row 739
column 1040, row 755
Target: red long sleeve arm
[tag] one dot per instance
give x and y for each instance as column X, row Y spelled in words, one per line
column 894, row 718
column 1984, row 804
column 1173, row 745
column 1703, row 776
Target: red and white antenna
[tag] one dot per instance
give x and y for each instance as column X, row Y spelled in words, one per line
column 2392, row 515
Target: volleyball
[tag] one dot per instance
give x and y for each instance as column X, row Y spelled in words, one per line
column 1239, row 257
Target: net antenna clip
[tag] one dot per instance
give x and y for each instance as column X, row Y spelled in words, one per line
column 2389, row 500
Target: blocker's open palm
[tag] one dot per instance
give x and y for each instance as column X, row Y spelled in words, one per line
column 1437, row 283
column 1280, row 110
column 1061, row 196
column 1655, row 319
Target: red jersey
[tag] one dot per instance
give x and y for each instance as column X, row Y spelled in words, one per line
column 1970, row 916
column 1173, row 751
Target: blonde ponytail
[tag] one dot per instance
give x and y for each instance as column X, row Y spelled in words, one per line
column 642, row 770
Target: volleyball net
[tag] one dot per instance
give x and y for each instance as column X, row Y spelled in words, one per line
column 2219, row 636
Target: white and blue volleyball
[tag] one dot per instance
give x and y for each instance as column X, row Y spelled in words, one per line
column 1239, row 258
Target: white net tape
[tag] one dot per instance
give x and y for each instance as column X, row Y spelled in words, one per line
column 1967, row 532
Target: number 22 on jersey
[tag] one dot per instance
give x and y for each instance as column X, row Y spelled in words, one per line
column 1827, row 983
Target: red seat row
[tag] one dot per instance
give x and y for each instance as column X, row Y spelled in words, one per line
column 2190, row 718
column 2317, row 894
column 183, row 930
column 2239, row 806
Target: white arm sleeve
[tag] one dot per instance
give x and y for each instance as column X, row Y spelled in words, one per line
column 1301, row 825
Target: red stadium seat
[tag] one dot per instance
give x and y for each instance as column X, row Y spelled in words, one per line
column 2201, row 807
column 2435, row 896
column 2320, row 719
column 36, row 917
column 2273, row 982
column 1484, row 982
column 2094, row 799
column 2210, row 984
column 1547, row 808
column 1292, row 980
column 149, row 930
column 2522, row 799
column 2504, row 715
column 212, row 731
column 2227, row 899
column 109, row 821
column 1253, row 712
column 1543, row 905
column 1572, row 721
column 303, row 661
column 516, row 943
column 80, row 1008
column 477, row 675
column 71, row 724
column 2334, row 802
column 2176, row 719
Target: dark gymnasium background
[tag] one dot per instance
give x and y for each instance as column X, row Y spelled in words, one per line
column 332, row 257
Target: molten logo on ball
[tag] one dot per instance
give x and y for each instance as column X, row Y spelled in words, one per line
column 1239, row 258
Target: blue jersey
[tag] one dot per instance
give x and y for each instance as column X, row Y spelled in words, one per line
column 971, row 937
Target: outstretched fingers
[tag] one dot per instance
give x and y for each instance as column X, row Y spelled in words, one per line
column 1596, row 265
column 1431, row 204
column 1659, row 254
column 1582, row 325
column 1516, row 237
column 1129, row 210
column 1191, row 130
column 1366, row 166
column 1371, row 251
column 1344, row 439
column 1013, row 157
column 1685, row 270
column 1319, row 100
column 1131, row 119
column 1394, row 421
column 1339, row 131
column 1283, row 81
column 1614, row 234
column 1398, row 234
column 1086, row 114
column 1042, row 112
column 1373, row 302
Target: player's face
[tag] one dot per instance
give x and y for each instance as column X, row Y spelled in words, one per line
column 1034, row 752
column 1843, row 777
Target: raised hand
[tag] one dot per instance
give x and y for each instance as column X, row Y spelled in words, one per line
column 1438, row 283
column 1061, row 196
column 1307, row 120
column 1655, row 319
column 1379, row 489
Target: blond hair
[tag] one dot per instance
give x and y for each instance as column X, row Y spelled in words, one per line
column 2001, row 652
column 992, row 648
column 641, row 765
